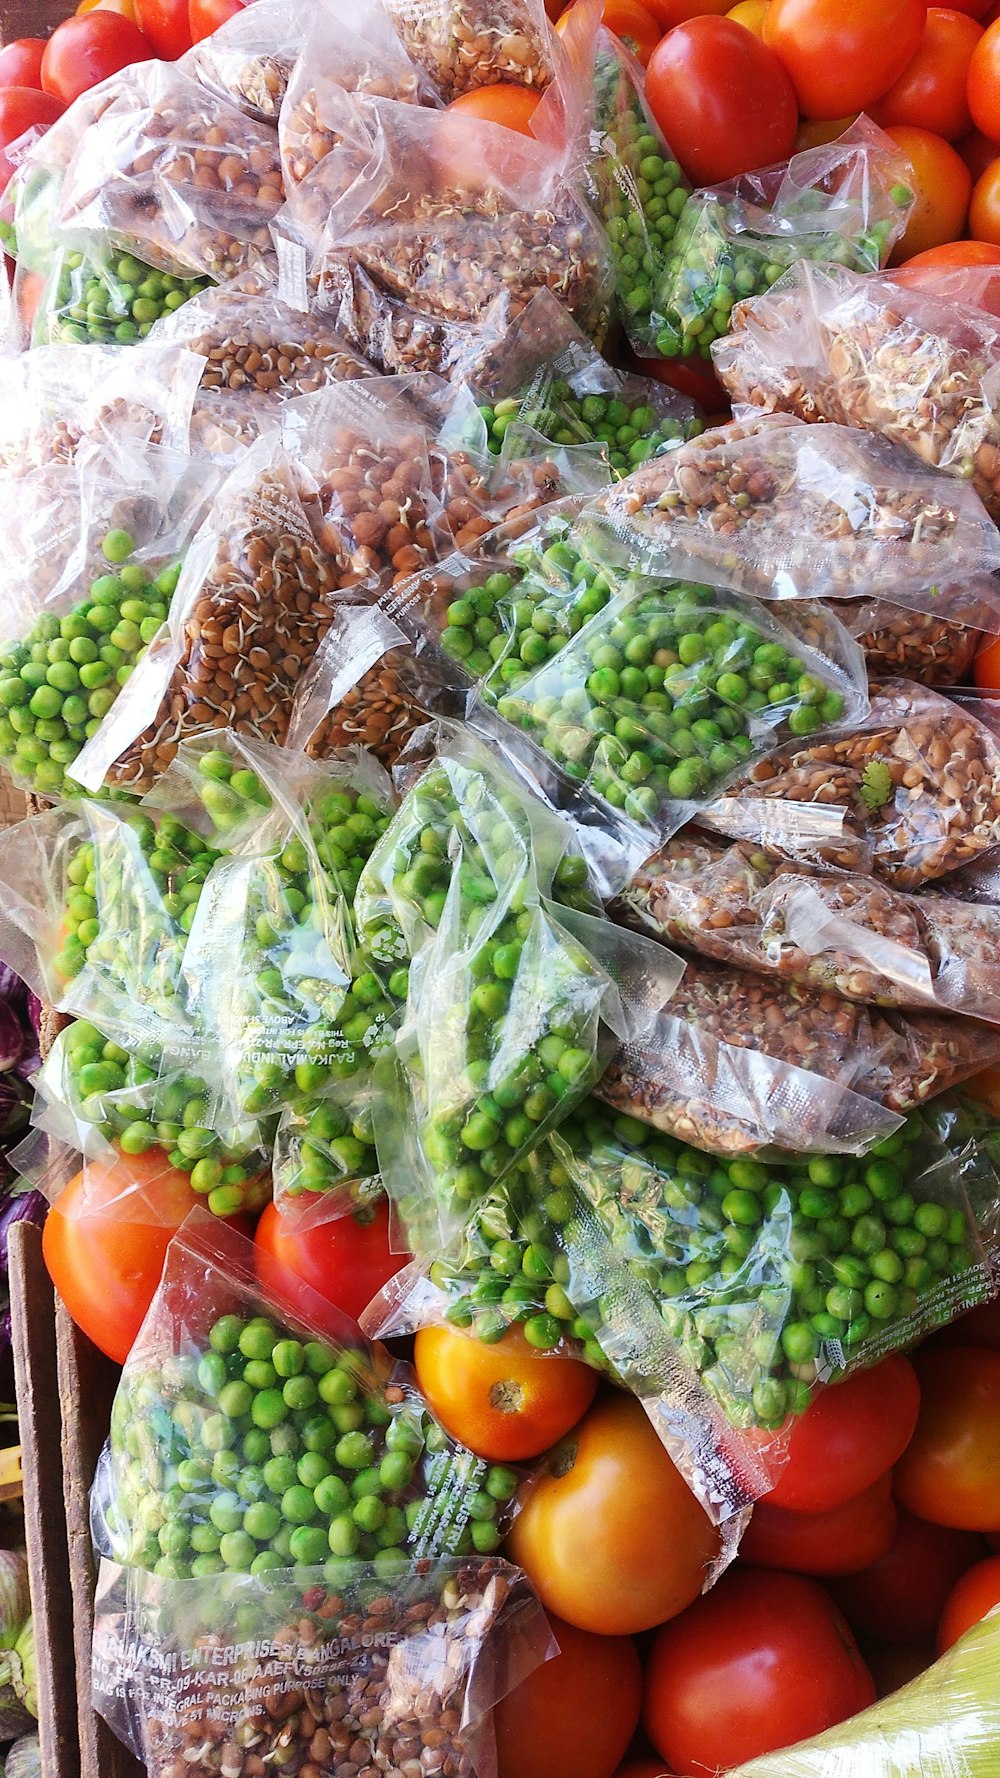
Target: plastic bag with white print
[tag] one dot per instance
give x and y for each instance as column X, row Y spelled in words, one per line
column 248, row 60
column 366, row 451
column 175, row 174
column 253, row 602
column 663, row 694
column 94, row 551
column 785, row 510
column 501, row 218
column 323, row 1665
column 295, row 1499
column 847, row 201
column 464, row 44
column 342, row 59
column 911, row 365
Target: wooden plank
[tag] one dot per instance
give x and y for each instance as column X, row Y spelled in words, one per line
column 87, row 1382
column 31, row 18
column 34, row 1338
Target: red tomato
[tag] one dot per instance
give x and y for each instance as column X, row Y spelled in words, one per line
column 984, row 208
column 21, row 62
column 977, row 1327
column 930, row 92
column 974, row 9
column 893, row 1664
column 692, row 376
column 205, row 16
column 83, row 51
column 514, row 106
column 901, row 1596
column 943, row 185
column 105, row 1238
column 983, row 85
column 985, row 1086
column 969, row 1602
column 632, row 22
column 986, row 668
column 848, row 1436
column 813, row 133
column 842, row 55
column 949, row 257
column 583, row 1536
column 949, row 1472
column 722, row 99
column 669, row 13
column 841, row 1541
column 506, row 1401
column 346, row 1261
column 23, row 108
column 760, row 1662
column 977, row 151
column 574, row 1716
column 164, row 23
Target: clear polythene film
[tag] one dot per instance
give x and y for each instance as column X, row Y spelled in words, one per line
column 245, row 1438
column 55, row 398
column 917, row 784
column 248, row 61
column 943, row 1724
column 135, row 178
column 464, row 44
column 332, row 1674
column 738, row 903
column 785, row 510
column 358, row 690
column 252, row 605
column 846, row 200
column 828, row 345
column 898, row 643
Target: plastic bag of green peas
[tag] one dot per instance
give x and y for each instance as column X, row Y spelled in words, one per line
column 846, row 202
column 314, row 1663
column 245, row 1438
column 95, row 294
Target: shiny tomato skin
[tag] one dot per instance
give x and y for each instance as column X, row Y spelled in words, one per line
column 513, row 106
column 930, row 93
column 841, row 1541
column 346, row 1261
column 952, row 256
column 506, row 1401
column 950, row 1469
column 900, row 1597
column 83, row 51
column 574, row 1716
column 983, row 83
column 969, row 1601
column 984, row 206
column 23, row 108
column 634, row 24
column 21, row 62
column 166, row 25
column 943, row 185
column 849, row 1435
column 205, row 16
column 763, row 1660
column 583, row 1536
column 842, row 55
column 722, row 99
column 105, row 1238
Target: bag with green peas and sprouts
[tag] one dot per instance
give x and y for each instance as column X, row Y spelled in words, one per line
column 94, row 555
column 845, row 202
column 244, row 1438
column 312, row 1671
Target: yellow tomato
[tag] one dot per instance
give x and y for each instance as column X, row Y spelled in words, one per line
column 750, row 14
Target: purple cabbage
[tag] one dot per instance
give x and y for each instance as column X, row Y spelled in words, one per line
column 12, row 1039
column 12, row 989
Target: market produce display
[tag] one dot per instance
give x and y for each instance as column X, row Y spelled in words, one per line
column 512, row 864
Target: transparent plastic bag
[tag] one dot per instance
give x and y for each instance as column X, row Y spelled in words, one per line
column 846, row 201
column 394, row 336
column 907, row 364
column 499, row 221
column 93, row 293
column 55, row 398
column 919, row 781
column 358, row 690
column 898, row 643
column 785, row 511
column 219, row 1360
column 324, row 1163
column 252, row 605
column 249, row 58
column 462, row 45
column 176, row 174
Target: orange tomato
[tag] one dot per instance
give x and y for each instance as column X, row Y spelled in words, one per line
column 986, row 668
column 811, row 134
column 983, row 83
column 611, row 1536
column 842, row 55
column 985, row 1086
column 514, row 106
column 930, row 92
column 984, row 208
column 634, row 24
column 506, row 1401
column 841, row 1541
column 750, row 14
column 948, row 1472
column 969, row 1601
column 669, row 13
column 574, row 1716
column 951, row 255
column 977, row 151
column 943, row 185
